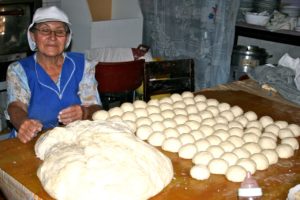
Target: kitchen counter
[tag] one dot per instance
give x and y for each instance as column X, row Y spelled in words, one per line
column 18, row 164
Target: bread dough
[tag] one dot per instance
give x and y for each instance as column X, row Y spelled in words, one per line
column 223, row 106
column 254, row 130
column 272, row 128
column 167, row 114
column 201, row 106
column 171, row 132
column 208, row 121
column 250, row 137
column 266, row 120
column 179, row 104
column 176, row 97
column 153, row 102
column 237, row 110
column 214, row 140
column 144, row 131
column 217, row 166
column 92, row 159
column 214, row 110
column 156, row 138
column 188, row 101
column 221, row 120
column 199, row 98
column 182, row 128
column 206, row 130
column 220, row 126
column 155, row 117
column 227, row 114
column 115, row 111
column 212, row 102
column 169, row 123
column 195, row 117
column 227, row 146
column 267, row 143
column 235, row 124
column 270, row 135
column 194, row 125
column 171, row 144
column 202, row 144
column 140, row 112
column 255, row 124
column 250, row 115
column 139, row 104
column 142, row 121
column 271, row 155
column 293, row 142
column 236, row 131
column 248, row 164
column 230, row 157
column 284, row 133
column 241, row 152
column 199, row 172
column 157, row 126
column 100, row 115
column 295, row 128
column 152, row 109
column 191, row 109
column 186, row 138
column 129, row 115
column 261, row 161
column 187, row 94
column 180, row 111
column 127, row 107
column 222, row 134
column 281, row 124
column 205, row 114
column 187, row 151
column 252, row 147
column 165, row 106
column 236, row 141
column 197, row 134
column 242, row 119
column 284, row 151
column 202, row 158
column 215, row 150
column 236, row 173
column 166, row 100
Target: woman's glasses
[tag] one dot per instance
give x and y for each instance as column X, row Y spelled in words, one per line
column 47, row 32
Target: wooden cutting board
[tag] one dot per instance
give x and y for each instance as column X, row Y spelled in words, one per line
column 19, row 161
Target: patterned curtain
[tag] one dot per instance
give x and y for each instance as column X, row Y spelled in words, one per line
column 198, row 29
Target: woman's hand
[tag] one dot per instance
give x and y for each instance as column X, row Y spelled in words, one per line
column 29, row 129
column 70, row 114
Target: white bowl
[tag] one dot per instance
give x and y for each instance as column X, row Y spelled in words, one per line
column 256, row 19
column 292, row 11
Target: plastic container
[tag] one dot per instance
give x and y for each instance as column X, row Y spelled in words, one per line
column 249, row 189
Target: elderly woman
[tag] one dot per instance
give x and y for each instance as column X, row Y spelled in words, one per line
column 52, row 86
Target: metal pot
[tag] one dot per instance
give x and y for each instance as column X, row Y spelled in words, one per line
column 245, row 57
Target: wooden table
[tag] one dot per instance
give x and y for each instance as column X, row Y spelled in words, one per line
column 18, row 160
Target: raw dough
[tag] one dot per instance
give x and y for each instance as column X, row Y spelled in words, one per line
column 208, row 121
column 92, row 160
column 237, row 110
column 169, row 123
column 266, row 120
column 100, row 115
column 201, row 106
column 187, row 94
column 129, row 115
column 139, row 104
column 157, row 126
column 284, row 133
column 217, row 166
column 250, row 115
column 214, row 110
column 115, row 111
column 189, row 101
column 199, row 172
column 267, row 143
column 176, row 97
column 223, row 106
column 171, row 144
column 261, row 161
column 271, row 155
column 140, row 112
column 230, row 157
column 212, row 102
column 202, row 158
column 202, row 144
column 186, row 138
column 144, row 131
column 241, row 152
column 215, row 150
column 187, row 151
column 171, row 132
column 227, row 114
column 126, row 106
column 284, row 151
column 236, row 173
column 248, row 164
column 156, row 138
column 165, row 106
column 199, row 97
column 293, row 142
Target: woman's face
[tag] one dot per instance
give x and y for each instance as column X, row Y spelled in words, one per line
column 50, row 37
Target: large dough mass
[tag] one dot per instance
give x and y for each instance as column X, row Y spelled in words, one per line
column 100, row 160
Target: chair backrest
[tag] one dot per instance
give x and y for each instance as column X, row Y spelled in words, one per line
column 117, row 81
column 169, row 76
column 119, row 76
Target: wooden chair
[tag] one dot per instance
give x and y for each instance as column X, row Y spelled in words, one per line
column 170, row 76
column 117, row 81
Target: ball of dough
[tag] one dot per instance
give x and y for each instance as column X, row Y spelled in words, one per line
column 284, row 151
column 180, row 119
column 189, row 101
column 252, row 147
column 187, row 94
column 254, row 130
column 153, row 102
column 169, row 123
column 266, row 121
column 199, row 172
column 186, row 138
column 227, row 146
column 155, row 117
column 197, row 134
column 241, row 152
column 236, row 141
column 142, row 121
column 180, row 111
column 248, row 164
column 214, row 110
column 171, row 132
column 281, row 124
column 230, row 157
column 223, row 134
column 182, row 128
column 156, row 138
column 168, row 114
column 100, row 115
column 194, row 125
column 199, row 97
column 271, row 155
column 217, row 166
column 236, row 131
column 220, row 126
column 144, row 131
column 191, row 109
column 171, row 144
column 270, row 135
column 261, row 161
column 295, row 128
column 115, row 111
column 166, row 100
column 250, row 115
column 141, row 112
column 202, row 144
column 223, row 106
column 236, row 173
column 202, row 158
column 212, row 102
column 215, row 150
column 130, row 116
column 272, row 128
column 250, row 137
column 205, row 114
column 201, row 106
column 195, row 117
column 235, row 124
column 242, row 119
column 293, row 142
column 152, row 109
column 139, row 104
column 115, row 118
column 127, row 107
column 157, row 126
column 187, row 151
column 267, row 143
column 208, row 121
column 255, row 124
column 176, row 97
column 179, row 104
column 206, row 130
column 213, row 140
column 284, row 133
column 237, row 110
column 227, row 114
column 165, row 106
column 221, row 120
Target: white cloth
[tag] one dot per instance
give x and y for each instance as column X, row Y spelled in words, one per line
column 293, row 63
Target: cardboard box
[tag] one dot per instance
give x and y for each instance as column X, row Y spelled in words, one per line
column 104, row 23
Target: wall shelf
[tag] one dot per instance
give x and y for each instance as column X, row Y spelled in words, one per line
column 260, row 32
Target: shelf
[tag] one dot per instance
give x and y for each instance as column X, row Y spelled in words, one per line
column 260, row 32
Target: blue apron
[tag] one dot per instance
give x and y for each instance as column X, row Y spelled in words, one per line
column 47, row 99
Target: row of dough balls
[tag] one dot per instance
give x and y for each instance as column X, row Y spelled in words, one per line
column 211, row 133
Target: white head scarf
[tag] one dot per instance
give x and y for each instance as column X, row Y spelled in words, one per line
column 46, row 14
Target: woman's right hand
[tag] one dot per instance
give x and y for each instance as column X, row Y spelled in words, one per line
column 29, row 129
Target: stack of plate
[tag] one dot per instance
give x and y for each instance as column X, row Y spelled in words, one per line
column 290, row 10
column 266, row 5
column 245, row 6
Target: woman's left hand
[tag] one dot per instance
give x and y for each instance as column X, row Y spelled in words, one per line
column 70, row 114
